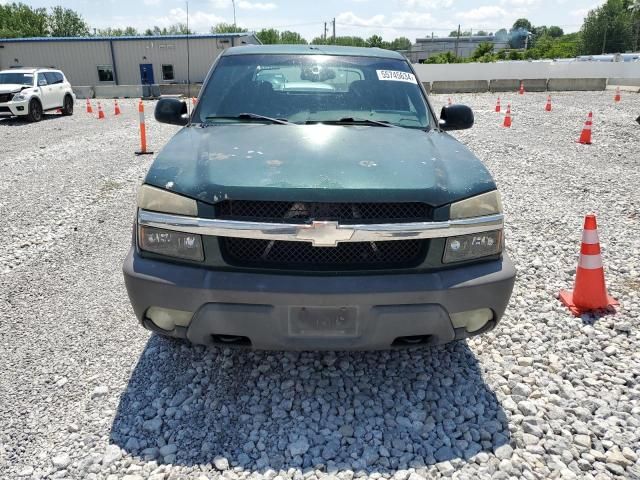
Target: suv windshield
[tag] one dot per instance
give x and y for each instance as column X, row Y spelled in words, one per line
column 314, row 88
column 16, row 78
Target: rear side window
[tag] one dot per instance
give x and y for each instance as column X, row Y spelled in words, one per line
column 53, row 78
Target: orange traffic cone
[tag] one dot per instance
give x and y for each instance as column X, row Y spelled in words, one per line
column 116, row 108
column 100, row 112
column 498, row 105
column 589, row 292
column 193, row 101
column 616, row 98
column 521, row 91
column 585, row 135
column 89, row 109
column 507, row 118
column 547, row 107
column 449, row 101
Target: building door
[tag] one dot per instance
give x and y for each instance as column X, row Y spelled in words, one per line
column 146, row 74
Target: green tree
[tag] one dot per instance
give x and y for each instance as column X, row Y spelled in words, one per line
column 375, row 41
column 269, row 36
column 20, row 20
column 292, row 38
column 515, row 55
column 483, row 53
column 400, row 43
column 463, row 33
column 445, row 57
column 482, row 33
column 607, row 29
column 634, row 8
column 555, row 31
column 522, row 23
column 117, row 32
column 64, row 22
column 227, row 28
column 348, row 41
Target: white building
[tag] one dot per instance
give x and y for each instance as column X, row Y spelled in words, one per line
column 136, row 60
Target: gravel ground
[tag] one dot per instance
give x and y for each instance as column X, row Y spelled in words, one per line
column 85, row 393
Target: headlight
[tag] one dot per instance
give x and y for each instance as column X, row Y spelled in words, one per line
column 159, row 200
column 172, row 244
column 18, row 97
column 475, row 245
column 485, row 204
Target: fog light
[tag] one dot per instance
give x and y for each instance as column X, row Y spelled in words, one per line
column 167, row 318
column 472, row 320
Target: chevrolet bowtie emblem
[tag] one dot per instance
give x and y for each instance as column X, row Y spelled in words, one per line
column 324, row 234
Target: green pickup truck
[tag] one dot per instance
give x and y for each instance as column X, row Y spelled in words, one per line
column 314, row 201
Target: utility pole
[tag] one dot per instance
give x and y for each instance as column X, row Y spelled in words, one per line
column 325, row 32
column 233, row 2
column 604, row 40
column 457, row 40
column 334, row 31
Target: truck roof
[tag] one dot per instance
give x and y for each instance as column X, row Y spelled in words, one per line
column 312, row 50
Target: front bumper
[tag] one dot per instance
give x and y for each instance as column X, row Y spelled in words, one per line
column 12, row 108
column 260, row 306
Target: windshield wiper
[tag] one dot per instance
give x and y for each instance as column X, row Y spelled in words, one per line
column 248, row 116
column 354, row 121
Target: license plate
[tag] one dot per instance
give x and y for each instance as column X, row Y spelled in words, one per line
column 323, row 321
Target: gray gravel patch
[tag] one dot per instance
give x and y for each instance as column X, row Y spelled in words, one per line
column 86, row 393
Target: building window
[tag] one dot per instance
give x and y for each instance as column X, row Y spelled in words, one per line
column 167, row 72
column 105, row 73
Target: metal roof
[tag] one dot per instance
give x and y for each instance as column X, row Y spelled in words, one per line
column 461, row 39
column 312, row 50
column 132, row 37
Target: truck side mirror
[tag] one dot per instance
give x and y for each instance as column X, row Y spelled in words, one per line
column 172, row 111
column 456, row 117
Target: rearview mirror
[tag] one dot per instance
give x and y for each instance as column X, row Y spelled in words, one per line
column 456, row 117
column 42, row 82
column 171, row 110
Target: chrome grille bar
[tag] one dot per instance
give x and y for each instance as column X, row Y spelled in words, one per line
column 320, row 234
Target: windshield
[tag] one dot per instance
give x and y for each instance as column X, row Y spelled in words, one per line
column 16, row 78
column 314, row 88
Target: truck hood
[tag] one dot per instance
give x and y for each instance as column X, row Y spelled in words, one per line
column 11, row 87
column 329, row 163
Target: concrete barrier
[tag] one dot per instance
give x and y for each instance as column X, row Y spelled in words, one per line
column 118, row 91
column 504, row 85
column 180, row 89
column 460, row 86
column 626, row 82
column 576, row 84
column 427, row 86
column 83, row 92
column 513, row 85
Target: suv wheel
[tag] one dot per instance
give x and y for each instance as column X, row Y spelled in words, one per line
column 35, row 111
column 67, row 108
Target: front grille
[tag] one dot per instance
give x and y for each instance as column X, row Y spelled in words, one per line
column 275, row 254
column 304, row 212
column 5, row 97
column 5, row 110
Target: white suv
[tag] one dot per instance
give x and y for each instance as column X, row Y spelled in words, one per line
column 29, row 92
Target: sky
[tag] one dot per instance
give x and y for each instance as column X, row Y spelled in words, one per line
column 387, row 18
